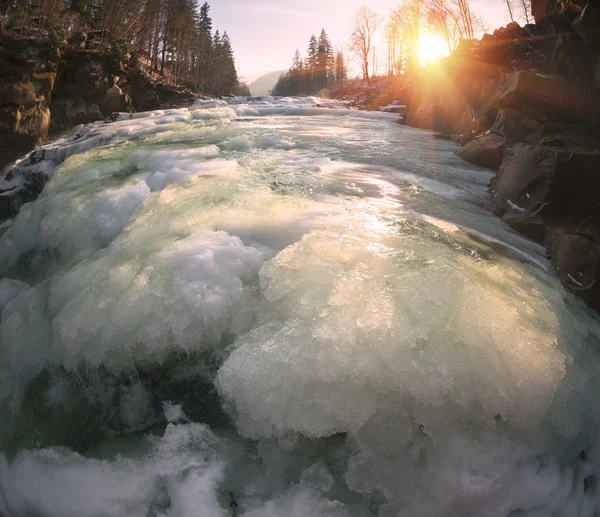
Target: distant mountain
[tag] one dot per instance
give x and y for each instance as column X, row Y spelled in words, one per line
column 265, row 83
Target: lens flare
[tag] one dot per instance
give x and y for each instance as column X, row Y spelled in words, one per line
column 432, row 48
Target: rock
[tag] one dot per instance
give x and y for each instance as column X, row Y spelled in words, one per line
column 485, row 151
column 43, row 82
column 514, row 124
column 564, row 136
column 6, row 186
column 549, row 96
column 37, row 156
column 577, row 260
column 576, row 42
column 20, row 94
column 11, row 202
column 532, row 226
column 27, row 72
column 115, row 102
column 547, row 181
column 113, row 117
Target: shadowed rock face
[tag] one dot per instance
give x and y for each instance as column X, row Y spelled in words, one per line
column 576, row 43
column 549, row 96
column 42, row 92
column 28, row 73
column 486, row 151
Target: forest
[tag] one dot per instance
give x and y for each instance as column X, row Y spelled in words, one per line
column 172, row 38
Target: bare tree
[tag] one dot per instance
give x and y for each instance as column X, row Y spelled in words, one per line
column 409, row 19
column 365, row 24
column 466, row 19
column 443, row 20
column 526, row 6
column 451, row 19
column 510, row 10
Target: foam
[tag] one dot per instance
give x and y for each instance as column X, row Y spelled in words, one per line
column 180, row 471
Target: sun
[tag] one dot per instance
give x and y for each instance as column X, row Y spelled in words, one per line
column 432, row 48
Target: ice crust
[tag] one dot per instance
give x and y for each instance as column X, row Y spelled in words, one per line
column 379, row 343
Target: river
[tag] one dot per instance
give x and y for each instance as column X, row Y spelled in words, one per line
column 301, row 307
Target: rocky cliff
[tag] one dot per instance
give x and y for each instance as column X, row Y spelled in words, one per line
column 44, row 90
column 524, row 101
column 27, row 77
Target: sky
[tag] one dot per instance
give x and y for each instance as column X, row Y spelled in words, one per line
column 266, row 33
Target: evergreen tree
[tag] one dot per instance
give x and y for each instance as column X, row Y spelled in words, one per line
column 311, row 64
column 341, row 71
column 205, row 21
column 298, row 76
column 324, row 62
column 317, row 71
column 173, row 37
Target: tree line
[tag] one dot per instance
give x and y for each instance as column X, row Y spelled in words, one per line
column 322, row 68
column 174, row 38
column 452, row 20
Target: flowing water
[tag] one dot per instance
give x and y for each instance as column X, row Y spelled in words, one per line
column 303, row 306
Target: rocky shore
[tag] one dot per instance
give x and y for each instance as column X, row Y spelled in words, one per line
column 45, row 89
column 524, row 102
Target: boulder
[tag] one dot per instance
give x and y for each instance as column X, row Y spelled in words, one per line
column 514, row 124
column 576, row 256
column 548, row 181
column 532, row 226
column 564, row 136
column 485, row 151
column 549, row 97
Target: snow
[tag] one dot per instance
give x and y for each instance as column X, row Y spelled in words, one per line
column 515, row 207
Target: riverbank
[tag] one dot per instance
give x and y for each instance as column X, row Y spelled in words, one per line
column 523, row 102
column 519, row 115
column 46, row 90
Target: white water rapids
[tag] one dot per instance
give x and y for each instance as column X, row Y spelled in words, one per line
column 304, row 306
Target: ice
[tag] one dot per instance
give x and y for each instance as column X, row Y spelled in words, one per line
column 239, row 143
column 292, row 301
column 123, row 307
column 9, row 289
column 180, row 471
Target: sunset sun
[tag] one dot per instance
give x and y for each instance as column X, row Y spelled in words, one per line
column 431, row 48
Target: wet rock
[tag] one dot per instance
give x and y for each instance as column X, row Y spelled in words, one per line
column 485, row 151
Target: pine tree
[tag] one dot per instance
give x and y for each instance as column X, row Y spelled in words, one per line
column 341, row 71
column 324, row 61
column 174, row 37
column 205, row 21
column 311, row 65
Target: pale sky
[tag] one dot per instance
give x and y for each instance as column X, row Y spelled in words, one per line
column 266, row 33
